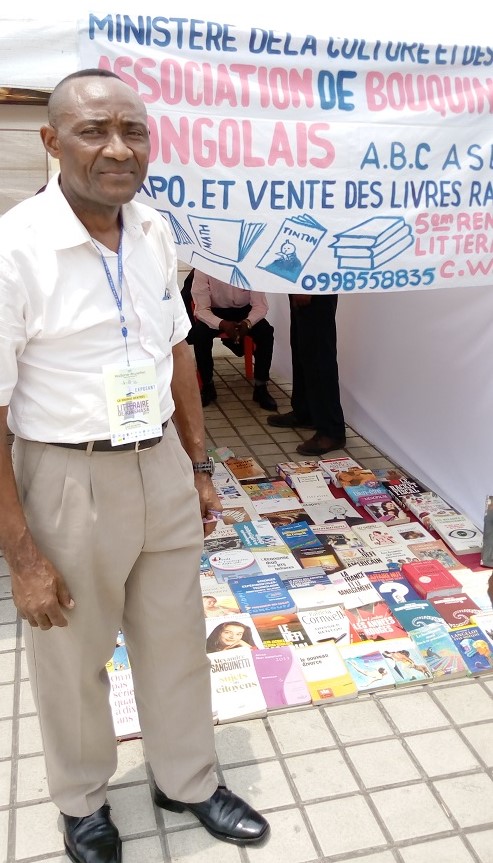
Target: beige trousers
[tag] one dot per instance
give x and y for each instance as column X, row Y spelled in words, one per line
column 124, row 529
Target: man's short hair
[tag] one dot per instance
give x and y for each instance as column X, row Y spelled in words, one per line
column 54, row 100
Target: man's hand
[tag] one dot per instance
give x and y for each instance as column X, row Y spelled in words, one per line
column 300, row 300
column 243, row 329
column 39, row 591
column 209, row 501
column 230, row 328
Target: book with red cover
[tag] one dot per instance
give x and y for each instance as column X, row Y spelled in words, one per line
column 374, row 622
column 430, row 578
column 456, row 609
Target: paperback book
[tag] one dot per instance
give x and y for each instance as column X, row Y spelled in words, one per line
column 426, row 504
column 393, row 587
column 281, row 630
column 415, row 614
column 327, row 624
column 258, row 533
column 405, row 661
column 287, row 468
column 122, row 699
column 289, row 516
column 338, row 534
column 245, row 468
column 381, row 507
column 375, row 622
column 474, row 648
column 430, row 578
column 404, row 489
column 458, row 609
column 311, row 588
column 323, row 557
column 437, row 648
column 458, row 532
column 298, row 535
column 261, row 594
column 231, row 632
column 337, row 509
column 364, row 558
column 235, row 687
column 233, row 561
column 325, row 672
column 281, row 677
column 435, row 550
column 332, row 466
column 367, row 666
column 310, row 487
column 217, row 597
column 277, row 559
column 272, row 495
column 355, row 587
column 370, row 487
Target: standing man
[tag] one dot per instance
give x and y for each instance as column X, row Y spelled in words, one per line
column 222, row 308
column 92, row 353
column 315, row 401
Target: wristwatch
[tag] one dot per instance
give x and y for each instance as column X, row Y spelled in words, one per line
column 204, row 466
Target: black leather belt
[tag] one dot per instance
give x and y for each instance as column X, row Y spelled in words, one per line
column 105, row 445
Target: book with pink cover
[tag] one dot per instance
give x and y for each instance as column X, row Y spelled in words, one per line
column 281, row 677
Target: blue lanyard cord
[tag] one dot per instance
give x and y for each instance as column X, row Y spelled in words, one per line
column 118, row 294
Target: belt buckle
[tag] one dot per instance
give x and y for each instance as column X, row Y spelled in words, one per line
column 139, row 448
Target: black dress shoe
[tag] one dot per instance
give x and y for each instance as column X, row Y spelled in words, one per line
column 262, row 396
column 288, row 421
column 208, row 394
column 224, row 815
column 92, row 839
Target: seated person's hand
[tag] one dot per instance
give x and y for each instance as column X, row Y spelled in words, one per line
column 243, row 329
column 230, row 328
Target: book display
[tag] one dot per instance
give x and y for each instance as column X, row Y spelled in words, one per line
column 322, row 582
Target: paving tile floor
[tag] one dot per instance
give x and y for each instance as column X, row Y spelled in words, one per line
column 398, row 776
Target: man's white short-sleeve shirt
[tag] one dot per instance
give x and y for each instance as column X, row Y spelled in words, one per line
column 59, row 321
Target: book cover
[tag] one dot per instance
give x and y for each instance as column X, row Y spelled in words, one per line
column 231, row 632
column 396, row 556
column 362, row 558
column 333, row 510
column 310, row 588
column 337, row 534
column 439, row 651
column 295, row 242
column 245, row 468
column 226, row 238
column 258, row 533
column 458, row 532
column 430, row 578
column 288, row 516
column 435, row 550
column 415, row 614
column 405, row 661
column 393, row 587
column 487, row 549
column 354, row 475
column 375, row 622
column 332, row 466
column 217, row 597
column 370, row 487
column 381, row 507
column 122, row 699
column 406, row 487
column 377, row 536
column 474, row 648
column 287, row 468
column 325, row 673
column 235, row 687
column 298, row 535
column 327, row 624
column 278, row 559
column 221, row 539
column 412, row 532
column 234, row 514
column 234, row 561
column 261, row 594
column 227, row 487
column 457, row 609
column 426, row 504
column 281, row 630
column 281, row 677
column 272, row 495
column 354, row 587
column 310, row 487
column 323, row 557
column 367, row 666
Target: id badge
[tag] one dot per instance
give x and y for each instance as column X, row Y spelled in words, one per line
column 132, row 400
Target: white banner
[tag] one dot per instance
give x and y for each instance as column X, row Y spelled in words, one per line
column 293, row 163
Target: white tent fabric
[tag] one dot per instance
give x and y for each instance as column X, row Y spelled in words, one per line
column 415, row 368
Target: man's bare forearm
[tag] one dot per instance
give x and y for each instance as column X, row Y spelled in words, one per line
column 14, row 535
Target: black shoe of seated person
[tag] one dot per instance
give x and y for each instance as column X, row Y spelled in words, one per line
column 262, row 396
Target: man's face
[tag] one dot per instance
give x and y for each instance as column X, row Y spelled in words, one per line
column 101, row 139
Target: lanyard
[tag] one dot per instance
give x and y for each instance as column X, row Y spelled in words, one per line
column 117, row 294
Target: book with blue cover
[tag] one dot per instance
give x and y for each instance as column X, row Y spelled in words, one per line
column 258, row 533
column 416, row 614
column 298, row 535
column 475, row 649
column 439, row 651
column 261, row 594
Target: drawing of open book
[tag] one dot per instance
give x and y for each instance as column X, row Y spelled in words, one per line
column 228, row 273
column 226, row 238
column 180, row 235
column 372, row 243
column 293, row 245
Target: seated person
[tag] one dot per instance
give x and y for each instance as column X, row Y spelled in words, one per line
column 186, row 295
column 222, row 308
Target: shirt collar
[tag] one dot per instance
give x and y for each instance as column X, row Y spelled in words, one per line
column 64, row 230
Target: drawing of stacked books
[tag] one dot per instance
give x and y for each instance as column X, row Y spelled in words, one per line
column 372, row 243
